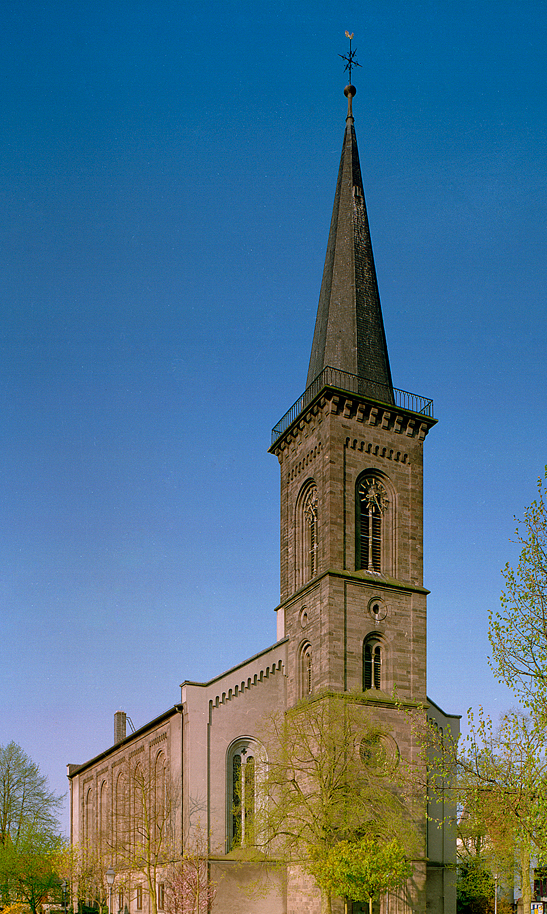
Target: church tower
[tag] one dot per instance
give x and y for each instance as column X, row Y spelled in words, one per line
column 353, row 605
column 352, row 618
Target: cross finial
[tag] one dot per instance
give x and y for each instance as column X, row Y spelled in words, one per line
column 350, row 57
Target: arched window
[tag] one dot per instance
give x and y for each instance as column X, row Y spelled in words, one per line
column 88, row 818
column 307, row 529
column 305, row 670
column 372, row 505
column 310, row 517
column 244, row 764
column 138, row 817
column 121, row 810
column 160, row 788
column 373, row 675
column 103, row 814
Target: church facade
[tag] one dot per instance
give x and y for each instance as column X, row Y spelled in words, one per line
column 351, row 618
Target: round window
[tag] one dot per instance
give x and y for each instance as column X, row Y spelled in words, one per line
column 377, row 609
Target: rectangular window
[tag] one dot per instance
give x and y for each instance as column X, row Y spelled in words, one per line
column 120, row 901
column 161, row 896
column 139, row 898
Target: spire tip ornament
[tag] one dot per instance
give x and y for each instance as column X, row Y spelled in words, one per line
column 350, row 90
column 350, row 59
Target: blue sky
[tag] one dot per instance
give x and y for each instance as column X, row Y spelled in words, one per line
column 167, row 175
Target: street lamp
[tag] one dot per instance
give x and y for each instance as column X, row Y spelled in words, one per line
column 64, row 886
column 110, row 876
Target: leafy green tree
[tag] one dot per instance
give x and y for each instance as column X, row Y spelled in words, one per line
column 480, row 863
column 475, row 887
column 502, row 782
column 518, row 634
column 25, row 799
column 30, row 869
column 30, row 846
column 363, row 870
column 332, row 776
column 502, row 773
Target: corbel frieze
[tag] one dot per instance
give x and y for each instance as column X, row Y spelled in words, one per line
column 388, row 453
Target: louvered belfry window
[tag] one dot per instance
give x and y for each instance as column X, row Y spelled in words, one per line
column 373, row 502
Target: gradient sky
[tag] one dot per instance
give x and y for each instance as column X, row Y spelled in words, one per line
column 167, row 176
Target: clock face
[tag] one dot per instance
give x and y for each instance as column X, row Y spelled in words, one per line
column 373, row 495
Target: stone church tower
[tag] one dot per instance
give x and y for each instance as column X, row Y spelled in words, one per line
column 352, row 616
column 353, row 603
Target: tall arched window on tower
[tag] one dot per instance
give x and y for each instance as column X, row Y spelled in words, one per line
column 373, row 674
column 305, row 670
column 307, row 528
column 244, row 764
column 372, row 507
column 310, row 516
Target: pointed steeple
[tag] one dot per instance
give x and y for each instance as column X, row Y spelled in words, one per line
column 349, row 331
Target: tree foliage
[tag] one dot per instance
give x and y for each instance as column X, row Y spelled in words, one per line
column 364, row 869
column 502, row 772
column 332, row 777
column 518, row 634
column 31, row 850
column 30, row 870
column 502, row 781
column 475, row 886
column 25, row 799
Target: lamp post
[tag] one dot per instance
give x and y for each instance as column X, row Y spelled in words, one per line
column 110, row 875
column 64, row 886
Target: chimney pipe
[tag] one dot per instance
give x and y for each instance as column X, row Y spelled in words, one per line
column 120, row 726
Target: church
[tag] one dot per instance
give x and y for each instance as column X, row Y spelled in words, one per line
column 351, row 616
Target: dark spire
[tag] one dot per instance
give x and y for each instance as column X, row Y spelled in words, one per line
column 349, row 330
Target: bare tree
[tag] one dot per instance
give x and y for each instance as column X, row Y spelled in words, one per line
column 143, row 839
column 189, row 886
column 137, row 836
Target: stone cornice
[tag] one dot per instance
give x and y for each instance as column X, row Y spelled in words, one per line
column 355, row 577
column 330, row 401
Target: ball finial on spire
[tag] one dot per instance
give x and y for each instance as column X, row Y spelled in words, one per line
column 349, row 92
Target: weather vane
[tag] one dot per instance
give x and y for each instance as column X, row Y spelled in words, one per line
column 350, row 58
